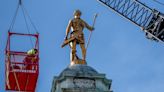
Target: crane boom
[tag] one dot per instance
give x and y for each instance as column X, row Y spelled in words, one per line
column 150, row 20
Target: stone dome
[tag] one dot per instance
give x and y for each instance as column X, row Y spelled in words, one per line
column 79, row 70
column 80, row 78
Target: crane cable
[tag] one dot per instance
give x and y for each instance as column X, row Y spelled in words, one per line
column 14, row 18
column 32, row 23
column 25, row 14
column 28, row 29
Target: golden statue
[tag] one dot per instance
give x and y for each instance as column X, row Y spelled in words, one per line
column 76, row 36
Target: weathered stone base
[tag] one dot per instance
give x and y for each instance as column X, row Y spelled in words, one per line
column 81, row 90
column 81, row 78
column 78, row 90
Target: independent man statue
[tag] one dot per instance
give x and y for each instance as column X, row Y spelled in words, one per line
column 76, row 36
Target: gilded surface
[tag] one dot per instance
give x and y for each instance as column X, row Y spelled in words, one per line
column 76, row 36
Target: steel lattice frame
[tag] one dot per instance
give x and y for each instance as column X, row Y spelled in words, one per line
column 133, row 10
column 150, row 20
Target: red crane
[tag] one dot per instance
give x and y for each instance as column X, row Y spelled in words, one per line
column 22, row 69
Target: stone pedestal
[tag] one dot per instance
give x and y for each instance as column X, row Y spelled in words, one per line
column 81, row 78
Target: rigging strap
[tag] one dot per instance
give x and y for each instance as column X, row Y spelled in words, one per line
column 26, row 17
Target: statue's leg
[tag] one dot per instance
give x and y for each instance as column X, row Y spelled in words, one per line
column 73, row 50
column 83, row 49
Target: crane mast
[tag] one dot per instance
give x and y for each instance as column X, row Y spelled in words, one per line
column 149, row 20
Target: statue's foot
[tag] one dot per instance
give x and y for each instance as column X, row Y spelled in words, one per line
column 78, row 61
column 83, row 62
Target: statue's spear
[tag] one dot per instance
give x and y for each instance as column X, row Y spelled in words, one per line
column 94, row 20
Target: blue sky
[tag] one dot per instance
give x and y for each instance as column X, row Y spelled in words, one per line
column 118, row 48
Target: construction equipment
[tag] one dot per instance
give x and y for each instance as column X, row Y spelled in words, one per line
column 20, row 74
column 22, row 70
column 149, row 20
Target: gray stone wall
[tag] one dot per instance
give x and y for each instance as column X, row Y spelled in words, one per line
column 81, row 78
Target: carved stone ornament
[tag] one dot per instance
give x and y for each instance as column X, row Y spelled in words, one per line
column 84, row 83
